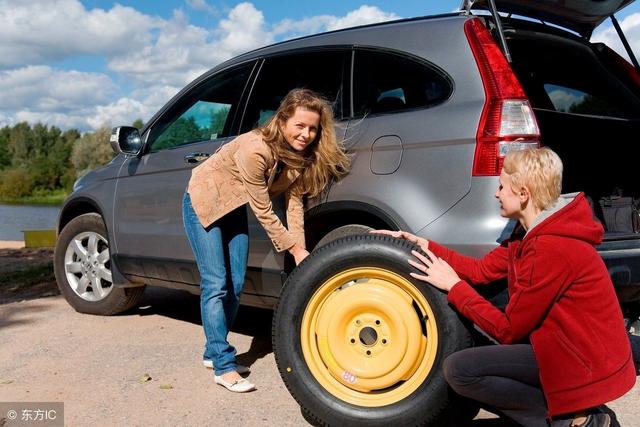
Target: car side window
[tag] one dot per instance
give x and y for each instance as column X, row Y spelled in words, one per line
column 567, row 99
column 385, row 82
column 320, row 71
column 204, row 114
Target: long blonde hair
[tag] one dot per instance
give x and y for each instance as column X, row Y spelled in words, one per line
column 323, row 159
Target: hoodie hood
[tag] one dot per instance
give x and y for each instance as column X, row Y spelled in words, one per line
column 570, row 216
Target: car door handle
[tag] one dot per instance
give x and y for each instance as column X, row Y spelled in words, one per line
column 196, row 157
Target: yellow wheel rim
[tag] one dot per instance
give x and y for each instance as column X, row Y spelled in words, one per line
column 369, row 336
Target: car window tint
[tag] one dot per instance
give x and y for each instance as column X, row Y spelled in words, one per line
column 385, row 82
column 568, row 76
column 204, row 114
column 320, row 71
column 571, row 100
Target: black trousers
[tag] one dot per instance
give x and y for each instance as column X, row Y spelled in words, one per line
column 505, row 377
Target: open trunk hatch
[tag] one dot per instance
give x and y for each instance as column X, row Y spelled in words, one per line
column 581, row 16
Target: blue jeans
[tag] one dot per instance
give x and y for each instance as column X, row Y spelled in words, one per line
column 221, row 252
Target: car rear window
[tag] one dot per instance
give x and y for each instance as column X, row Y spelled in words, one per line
column 320, row 71
column 570, row 100
column 566, row 76
column 386, row 82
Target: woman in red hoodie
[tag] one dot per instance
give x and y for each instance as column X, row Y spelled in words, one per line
column 563, row 348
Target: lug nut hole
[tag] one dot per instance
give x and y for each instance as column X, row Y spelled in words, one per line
column 368, row 336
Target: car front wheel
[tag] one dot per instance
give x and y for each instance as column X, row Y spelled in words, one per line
column 82, row 266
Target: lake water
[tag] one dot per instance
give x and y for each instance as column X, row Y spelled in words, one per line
column 15, row 218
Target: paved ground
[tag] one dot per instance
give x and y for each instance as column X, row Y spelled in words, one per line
column 93, row 364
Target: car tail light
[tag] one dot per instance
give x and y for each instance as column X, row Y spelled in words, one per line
column 507, row 121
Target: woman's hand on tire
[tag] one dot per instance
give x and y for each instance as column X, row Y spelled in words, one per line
column 436, row 271
column 299, row 253
column 420, row 241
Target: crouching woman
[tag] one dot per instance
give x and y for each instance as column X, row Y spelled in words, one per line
column 563, row 346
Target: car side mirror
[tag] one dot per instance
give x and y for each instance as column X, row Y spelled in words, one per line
column 126, row 139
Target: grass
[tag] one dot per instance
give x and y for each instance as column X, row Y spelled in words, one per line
column 21, row 279
column 52, row 198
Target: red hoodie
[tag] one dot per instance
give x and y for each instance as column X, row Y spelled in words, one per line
column 561, row 298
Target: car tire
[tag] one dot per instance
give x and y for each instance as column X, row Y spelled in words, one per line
column 82, row 267
column 344, row 231
column 359, row 342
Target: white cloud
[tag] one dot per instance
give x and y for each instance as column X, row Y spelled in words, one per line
column 155, row 97
column 155, row 57
column 168, row 59
column 183, row 51
column 563, row 100
column 76, row 119
column 121, row 112
column 37, row 31
column 45, row 89
column 631, row 28
column 243, row 30
column 73, row 99
column 6, row 121
column 203, row 6
column 361, row 16
column 141, row 104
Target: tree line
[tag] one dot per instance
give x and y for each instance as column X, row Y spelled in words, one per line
column 39, row 162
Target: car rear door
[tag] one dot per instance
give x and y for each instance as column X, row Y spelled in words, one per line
column 414, row 150
column 319, row 69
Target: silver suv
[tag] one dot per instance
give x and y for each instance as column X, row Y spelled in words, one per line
column 427, row 106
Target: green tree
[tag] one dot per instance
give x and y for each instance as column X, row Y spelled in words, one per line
column 20, row 144
column 218, row 119
column 71, row 135
column 48, row 160
column 92, row 150
column 15, row 183
column 63, row 152
column 5, row 157
column 180, row 132
column 35, row 159
column 138, row 123
column 596, row 106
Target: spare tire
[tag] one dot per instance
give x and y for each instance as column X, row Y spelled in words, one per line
column 359, row 342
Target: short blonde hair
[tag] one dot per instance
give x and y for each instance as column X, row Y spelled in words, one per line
column 540, row 170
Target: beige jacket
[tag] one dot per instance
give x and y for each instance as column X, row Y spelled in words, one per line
column 244, row 171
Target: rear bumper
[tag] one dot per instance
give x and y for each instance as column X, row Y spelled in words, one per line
column 622, row 259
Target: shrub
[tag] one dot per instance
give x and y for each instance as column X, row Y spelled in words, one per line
column 16, row 183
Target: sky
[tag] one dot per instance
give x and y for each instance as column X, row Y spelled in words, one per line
column 89, row 63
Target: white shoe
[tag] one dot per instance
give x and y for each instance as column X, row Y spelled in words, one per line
column 239, row 386
column 241, row 369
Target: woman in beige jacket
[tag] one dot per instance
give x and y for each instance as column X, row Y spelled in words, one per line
column 295, row 152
